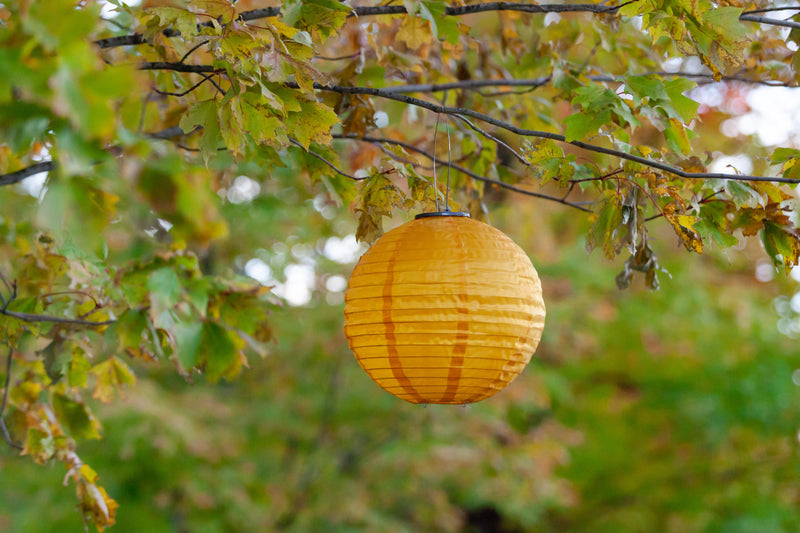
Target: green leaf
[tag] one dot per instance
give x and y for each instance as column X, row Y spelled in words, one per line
column 726, row 23
column 76, row 418
column 204, row 115
column 188, row 340
column 171, row 17
column 78, row 370
column 232, row 125
column 312, row 123
column 677, row 140
column 790, row 158
column 594, row 97
column 607, row 223
column 781, row 245
column 128, row 330
column 714, row 224
column 39, row 445
column 55, row 23
column 581, row 125
column 443, row 26
column 220, row 352
column 782, row 155
column 683, row 105
column 165, row 290
column 646, row 87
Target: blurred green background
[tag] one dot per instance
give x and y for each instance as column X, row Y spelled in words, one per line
column 669, row 411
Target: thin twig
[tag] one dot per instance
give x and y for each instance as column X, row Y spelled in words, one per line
column 402, row 159
column 187, row 91
column 339, row 58
column 192, row 50
column 82, row 293
column 494, row 94
column 544, row 80
column 117, row 24
column 598, row 178
column 6, row 434
column 496, row 140
column 334, row 167
column 215, row 84
column 464, row 170
column 702, row 201
column 8, row 381
column 6, row 283
column 456, row 111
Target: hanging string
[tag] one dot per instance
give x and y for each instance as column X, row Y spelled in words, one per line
column 449, row 152
column 449, row 155
column 435, row 185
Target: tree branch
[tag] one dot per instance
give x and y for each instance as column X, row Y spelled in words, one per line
column 179, row 67
column 19, row 175
column 773, row 22
column 138, row 38
column 771, row 9
column 33, row 317
column 467, row 84
column 544, row 80
column 168, row 133
column 463, row 170
column 456, row 11
column 455, row 111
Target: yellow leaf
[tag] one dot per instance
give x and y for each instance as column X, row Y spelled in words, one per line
column 683, row 225
column 415, row 32
column 111, row 375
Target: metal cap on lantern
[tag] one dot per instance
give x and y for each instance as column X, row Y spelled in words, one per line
column 444, row 310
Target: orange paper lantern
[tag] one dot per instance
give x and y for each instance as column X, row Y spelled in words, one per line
column 444, row 309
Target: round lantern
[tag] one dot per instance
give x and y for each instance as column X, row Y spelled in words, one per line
column 444, row 309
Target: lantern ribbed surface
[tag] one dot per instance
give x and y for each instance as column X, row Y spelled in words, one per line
column 444, row 309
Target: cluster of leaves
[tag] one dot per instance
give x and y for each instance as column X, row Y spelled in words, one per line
column 160, row 310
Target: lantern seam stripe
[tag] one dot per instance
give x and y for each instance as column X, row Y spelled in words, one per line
column 426, row 295
column 434, row 368
column 429, row 309
column 482, row 389
column 473, row 270
column 514, row 361
column 462, row 328
column 394, row 359
column 447, row 330
column 433, row 344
